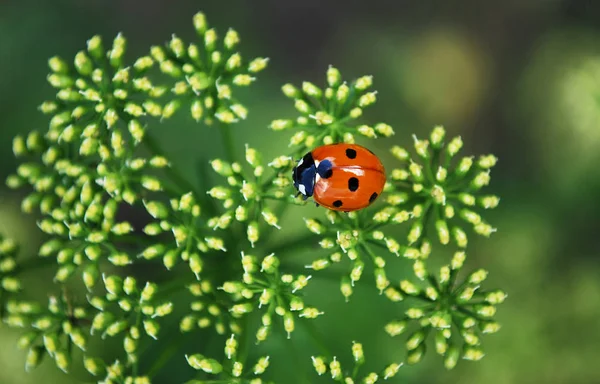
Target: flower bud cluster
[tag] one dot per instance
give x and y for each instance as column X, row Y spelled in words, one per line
column 330, row 115
column 80, row 205
column 456, row 314
column 50, row 331
column 441, row 188
column 85, row 167
column 246, row 195
column 232, row 368
column 351, row 236
column 206, row 73
column 128, row 310
column 190, row 237
column 265, row 289
column 207, row 310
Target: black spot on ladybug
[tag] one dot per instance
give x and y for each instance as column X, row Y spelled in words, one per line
column 337, row 203
column 351, row 153
column 353, row 184
column 328, row 173
column 373, row 197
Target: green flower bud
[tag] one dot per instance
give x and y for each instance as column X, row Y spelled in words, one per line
column 464, row 166
column 258, row 64
column 490, row 327
column 367, row 99
column 196, row 264
column 261, row 365
column 252, row 233
column 34, row 357
column 363, row 83
column 113, row 284
column 477, row 277
column 335, row 368
column 391, row 370
column 415, row 232
column 116, row 328
column 442, row 230
column 311, row 90
column 437, row 136
column 455, row 146
column 319, row 365
column 473, row 354
column 90, row 276
column 94, row 366
column 496, row 297
column 151, row 327
column 409, row 288
column 62, row 274
column 452, row 356
column 415, row 355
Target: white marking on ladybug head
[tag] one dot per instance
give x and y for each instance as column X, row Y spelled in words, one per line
column 302, row 189
column 300, row 162
column 317, row 178
column 317, row 162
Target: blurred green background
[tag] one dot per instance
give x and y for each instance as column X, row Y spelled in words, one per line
column 517, row 78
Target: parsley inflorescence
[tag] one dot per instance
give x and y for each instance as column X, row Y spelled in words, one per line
column 99, row 159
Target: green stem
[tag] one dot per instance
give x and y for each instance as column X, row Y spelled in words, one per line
column 172, row 172
column 138, row 322
column 167, row 354
column 228, row 142
column 34, row 263
column 304, row 241
column 245, row 342
column 317, row 338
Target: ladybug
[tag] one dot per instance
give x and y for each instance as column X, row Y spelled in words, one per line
column 340, row 177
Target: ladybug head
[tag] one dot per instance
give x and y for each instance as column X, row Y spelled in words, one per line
column 309, row 171
column 304, row 175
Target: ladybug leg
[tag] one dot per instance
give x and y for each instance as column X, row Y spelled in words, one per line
column 317, row 204
column 304, row 197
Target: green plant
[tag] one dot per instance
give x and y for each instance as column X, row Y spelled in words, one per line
column 99, row 158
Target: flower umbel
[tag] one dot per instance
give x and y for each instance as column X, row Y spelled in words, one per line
column 208, row 310
column 189, row 235
column 127, row 310
column 264, row 288
column 329, row 115
column 207, row 73
column 246, row 196
column 456, row 314
column 439, row 191
column 52, row 330
column 231, row 369
column 353, row 235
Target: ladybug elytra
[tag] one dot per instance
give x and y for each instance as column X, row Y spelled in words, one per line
column 340, row 177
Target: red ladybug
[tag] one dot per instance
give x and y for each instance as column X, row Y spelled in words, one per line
column 341, row 177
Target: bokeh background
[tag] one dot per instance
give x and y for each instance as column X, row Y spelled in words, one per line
column 517, row 78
